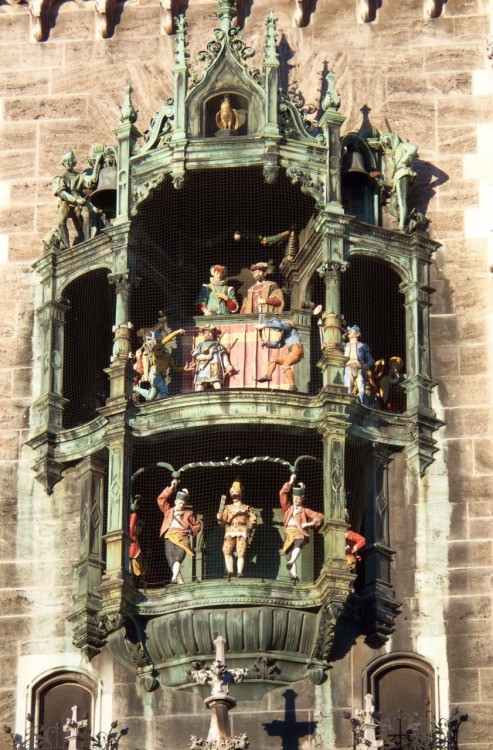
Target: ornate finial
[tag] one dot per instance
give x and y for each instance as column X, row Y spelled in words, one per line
column 270, row 49
column 127, row 111
column 181, row 54
column 226, row 11
column 331, row 100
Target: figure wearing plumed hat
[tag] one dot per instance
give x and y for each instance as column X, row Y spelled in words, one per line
column 178, row 527
column 263, row 296
column 239, row 520
column 297, row 519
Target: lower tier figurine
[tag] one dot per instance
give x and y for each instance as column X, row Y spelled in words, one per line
column 239, row 520
column 212, row 363
column 178, row 527
column 297, row 519
column 135, row 531
column 276, row 334
column 354, row 543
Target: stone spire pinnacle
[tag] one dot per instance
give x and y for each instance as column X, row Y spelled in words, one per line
column 226, row 11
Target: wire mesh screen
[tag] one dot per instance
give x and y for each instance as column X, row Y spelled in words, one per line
column 231, row 219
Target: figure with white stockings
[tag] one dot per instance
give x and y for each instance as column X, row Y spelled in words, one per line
column 178, row 527
column 211, row 361
column 239, row 520
column 297, row 519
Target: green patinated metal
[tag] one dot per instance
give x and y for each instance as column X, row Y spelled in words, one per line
column 281, row 635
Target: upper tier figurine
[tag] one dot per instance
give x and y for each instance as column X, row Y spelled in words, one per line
column 359, row 362
column 216, row 298
column 263, row 296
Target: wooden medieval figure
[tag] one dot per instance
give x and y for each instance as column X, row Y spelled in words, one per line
column 239, row 520
column 297, row 519
column 263, row 296
column 154, row 363
column 135, row 530
column 360, row 360
column 216, row 297
column 275, row 335
column 178, row 527
column 212, row 363
column 392, row 393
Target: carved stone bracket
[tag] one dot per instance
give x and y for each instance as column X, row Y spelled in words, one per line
column 433, row 8
column 367, row 9
column 142, row 191
column 105, row 17
column 301, row 13
column 40, row 16
column 169, row 9
column 309, row 185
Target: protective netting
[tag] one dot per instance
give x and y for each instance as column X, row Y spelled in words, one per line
column 229, row 218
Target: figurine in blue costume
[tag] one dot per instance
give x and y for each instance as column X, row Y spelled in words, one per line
column 359, row 362
column 216, row 298
column 211, row 361
column 276, row 334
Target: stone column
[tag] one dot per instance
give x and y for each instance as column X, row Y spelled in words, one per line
column 50, row 404
column 418, row 384
column 120, row 370
column 126, row 134
column 117, row 582
column 331, row 122
column 334, row 528
column 333, row 359
column 377, row 593
column 89, row 569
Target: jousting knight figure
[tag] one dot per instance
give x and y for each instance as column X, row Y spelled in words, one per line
column 297, row 519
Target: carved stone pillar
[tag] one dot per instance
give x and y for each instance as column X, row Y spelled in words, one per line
column 418, row 384
column 89, row 569
column 180, row 77
column 50, row 404
column 117, row 581
column 333, row 359
column 378, row 595
column 271, row 66
column 120, row 371
column 331, row 122
column 51, row 317
column 334, row 528
column 126, row 134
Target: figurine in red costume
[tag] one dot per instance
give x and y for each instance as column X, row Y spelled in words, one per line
column 297, row 519
column 263, row 296
column 178, row 527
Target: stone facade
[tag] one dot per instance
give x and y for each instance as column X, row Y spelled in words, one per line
column 432, row 80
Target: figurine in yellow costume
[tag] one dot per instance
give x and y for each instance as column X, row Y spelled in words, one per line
column 239, row 520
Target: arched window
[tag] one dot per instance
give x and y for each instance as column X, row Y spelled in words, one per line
column 402, row 682
column 52, row 703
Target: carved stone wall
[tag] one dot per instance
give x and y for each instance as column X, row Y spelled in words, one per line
column 430, row 80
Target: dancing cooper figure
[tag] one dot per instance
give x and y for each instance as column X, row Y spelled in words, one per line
column 297, row 519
